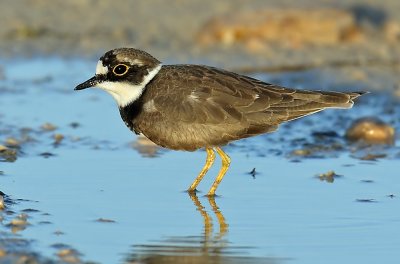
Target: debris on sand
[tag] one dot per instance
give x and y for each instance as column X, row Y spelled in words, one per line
column 48, row 127
column 58, row 138
column 12, row 142
column 328, row 176
column 69, row 255
column 2, row 205
column 7, row 154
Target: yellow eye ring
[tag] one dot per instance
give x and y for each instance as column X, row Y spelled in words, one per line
column 120, row 69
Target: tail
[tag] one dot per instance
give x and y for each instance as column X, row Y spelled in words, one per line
column 321, row 99
column 302, row 103
column 354, row 95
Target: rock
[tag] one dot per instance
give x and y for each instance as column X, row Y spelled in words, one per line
column 2, row 206
column 293, row 28
column 371, row 130
column 9, row 155
column 58, row 138
column 373, row 157
column 48, row 127
column 301, row 152
column 3, row 148
column 12, row 142
column 69, row 255
column 328, row 177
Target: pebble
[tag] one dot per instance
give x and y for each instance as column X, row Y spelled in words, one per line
column 20, row 220
column 2, row 205
column 48, row 127
column 69, row 255
column 328, row 177
column 58, row 138
column 12, row 142
column 371, row 130
column 301, row 152
column 8, row 154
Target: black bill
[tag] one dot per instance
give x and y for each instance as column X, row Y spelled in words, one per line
column 90, row 83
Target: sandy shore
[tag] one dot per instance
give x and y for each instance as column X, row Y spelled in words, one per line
column 170, row 29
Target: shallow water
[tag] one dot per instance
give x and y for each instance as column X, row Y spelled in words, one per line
column 116, row 205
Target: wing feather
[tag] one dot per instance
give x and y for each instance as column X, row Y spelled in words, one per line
column 243, row 106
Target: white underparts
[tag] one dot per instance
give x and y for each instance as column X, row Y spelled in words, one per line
column 100, row 69
column 125, row 93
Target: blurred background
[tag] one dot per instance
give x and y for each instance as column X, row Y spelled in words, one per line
column 237, row 33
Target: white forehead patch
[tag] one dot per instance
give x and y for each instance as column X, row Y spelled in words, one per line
column 124, row 92
column 100, row 69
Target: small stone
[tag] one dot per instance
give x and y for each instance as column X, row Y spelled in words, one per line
column 301, row 152
column 69, row 255
column 373, row 157
column 2, row 205
column 12, row 142
column 58, row 138
column 48, row 127
column 3, row 253
column 371, row 130
column 18, row 222
column 9, row 155
column 329, row 176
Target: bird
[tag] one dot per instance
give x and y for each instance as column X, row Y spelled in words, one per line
column 189, row 107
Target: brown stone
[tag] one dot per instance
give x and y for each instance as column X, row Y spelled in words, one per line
column 371, row 130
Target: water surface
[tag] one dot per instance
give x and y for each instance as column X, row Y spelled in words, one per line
column 95, row 193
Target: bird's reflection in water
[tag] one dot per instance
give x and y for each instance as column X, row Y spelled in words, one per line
column 207, row 248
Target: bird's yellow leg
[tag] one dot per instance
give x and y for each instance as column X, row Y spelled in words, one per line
column 226, row 161
column 209, row 162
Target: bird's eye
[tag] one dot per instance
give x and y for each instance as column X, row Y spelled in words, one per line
column 120, row 69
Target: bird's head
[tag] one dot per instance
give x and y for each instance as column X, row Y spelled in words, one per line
column 124, row 73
